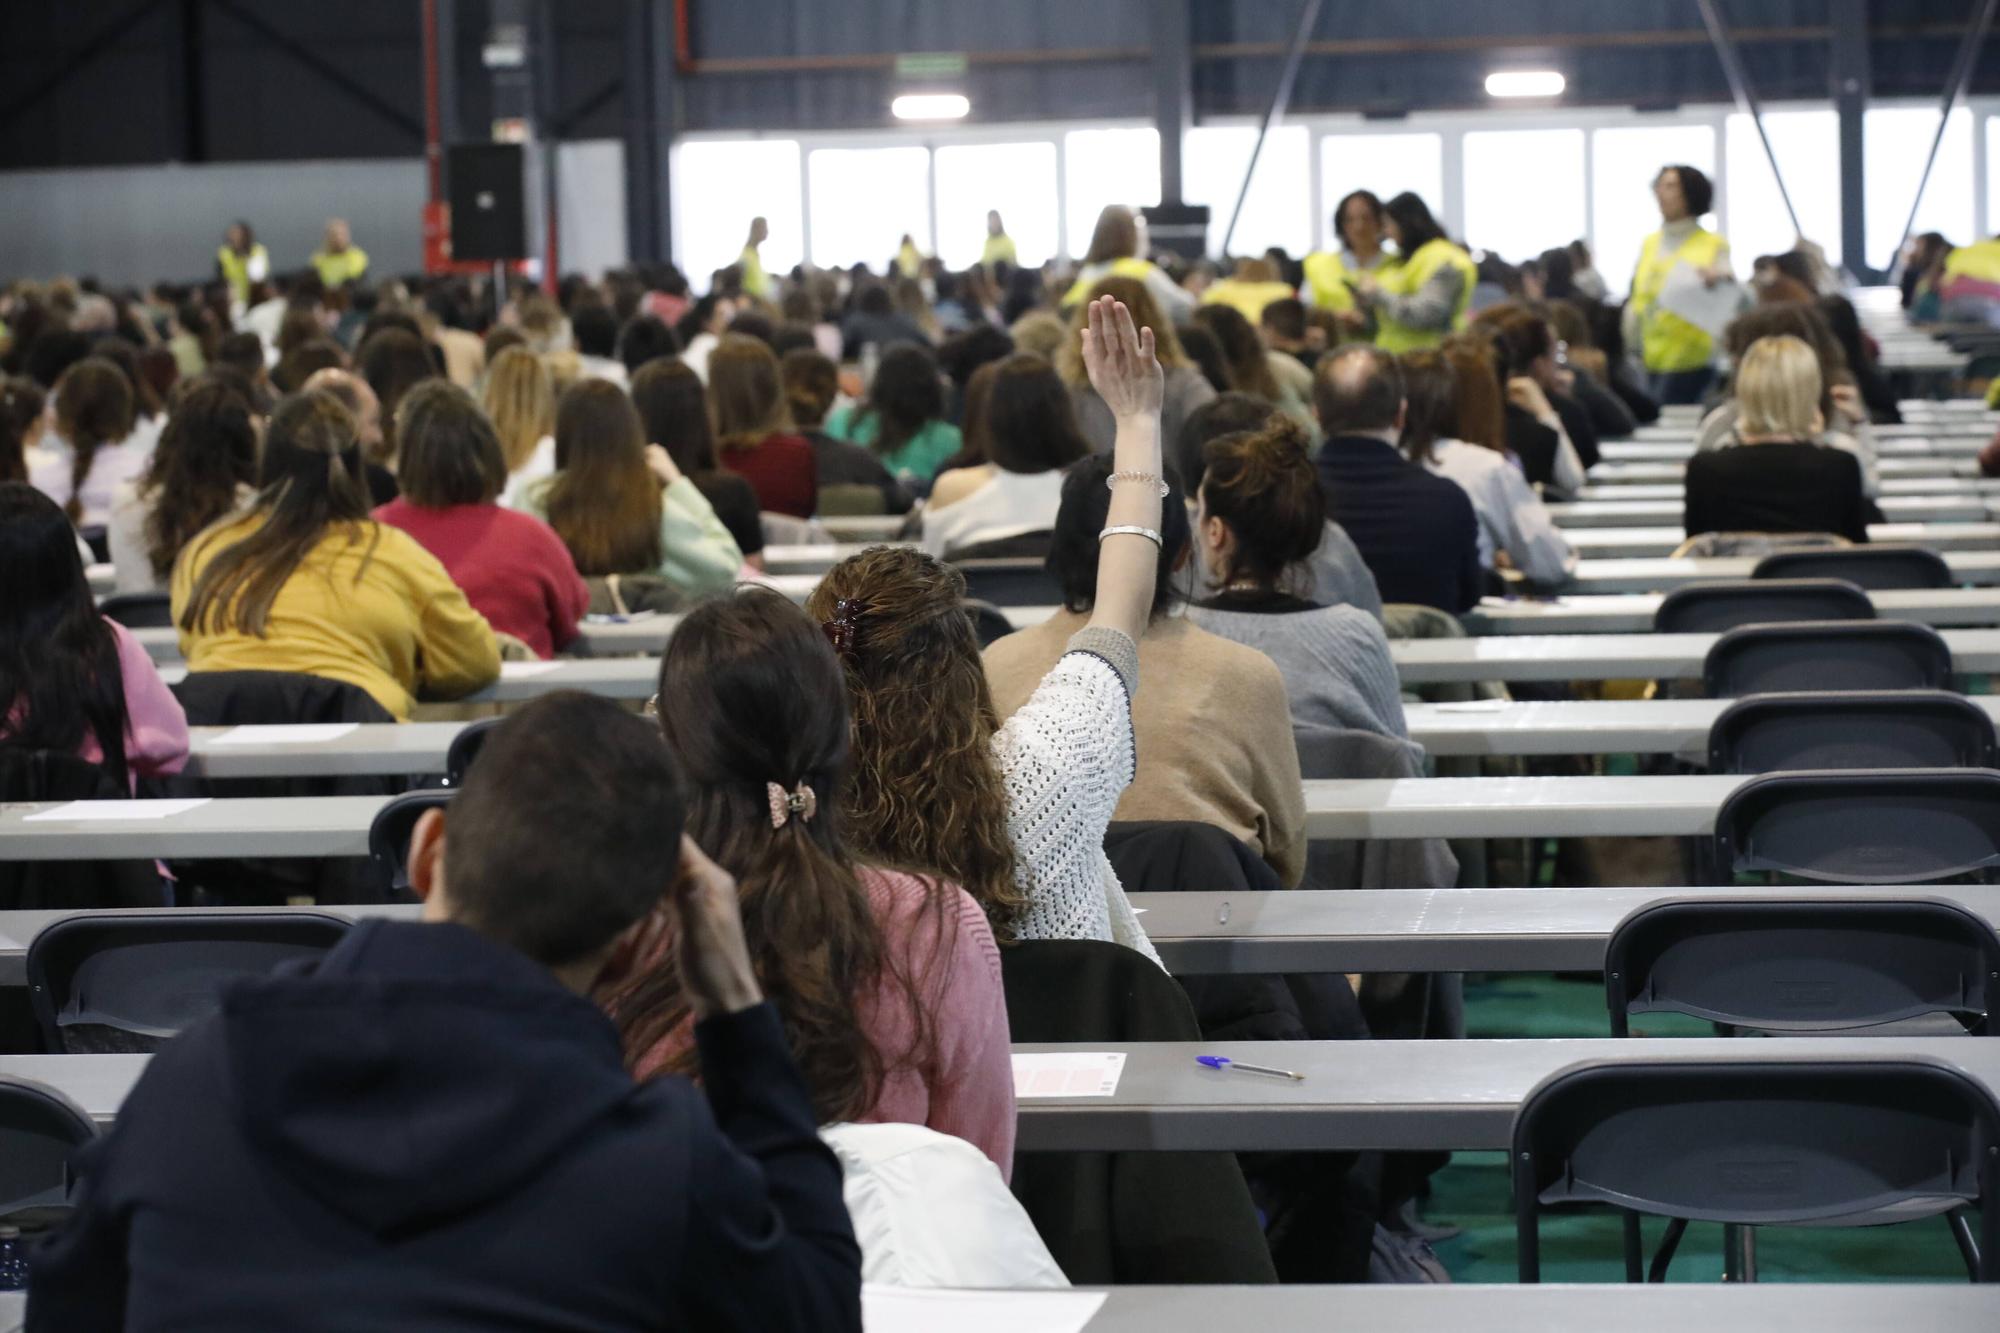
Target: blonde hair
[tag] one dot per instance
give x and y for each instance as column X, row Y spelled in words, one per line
column 521, row 400
column 1145, row 314
column 1778, row 388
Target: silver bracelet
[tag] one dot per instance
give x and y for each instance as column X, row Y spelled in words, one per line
column 1133, row 530
column 1111, row 482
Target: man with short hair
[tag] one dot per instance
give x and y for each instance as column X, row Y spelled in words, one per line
column 433, row 1127
column 1417, row 532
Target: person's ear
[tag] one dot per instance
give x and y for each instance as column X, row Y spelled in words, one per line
column 1214, row 534
column 425, row 860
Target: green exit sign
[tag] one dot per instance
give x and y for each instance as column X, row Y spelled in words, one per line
column 930, row 65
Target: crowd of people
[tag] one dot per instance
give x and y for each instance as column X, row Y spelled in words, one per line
column 1242, row 480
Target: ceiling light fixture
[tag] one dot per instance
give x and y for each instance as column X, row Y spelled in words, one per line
column 930, row 106
column 1525, row 83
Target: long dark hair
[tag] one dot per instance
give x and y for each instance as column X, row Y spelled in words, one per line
column 313, row 481
column 752, row 694
column 1029, row 421
column 1242, row 349
column 604, row 502
column 59, row 672
column 1412, row 217
column 21, row 402
column 673, row 407
column 904, row 396
column 208, row 450
column 93, row 409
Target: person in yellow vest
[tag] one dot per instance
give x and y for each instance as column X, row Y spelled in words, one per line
column 756, row 282
column 1249, row 289
column 1419, row 300
column 338, row 259
column 241, row 260
column 1118, row 249
column 1358, row 222
column 909, row 259
column 1968, row 284
column 1677, row 356
column 999, row 245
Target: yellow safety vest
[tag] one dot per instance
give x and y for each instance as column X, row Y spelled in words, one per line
column 755, row 281
column 1128, row 267
column 1667, row 342
column 347, row 266
column 1979, row 261
column 1326, row 281
column 999, row 250
column 1408, row 278
column 1248, row 298
column 236, row 268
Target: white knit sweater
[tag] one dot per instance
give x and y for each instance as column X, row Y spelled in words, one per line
column 1066, row 757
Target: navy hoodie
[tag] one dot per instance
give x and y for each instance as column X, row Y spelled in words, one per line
column 427, row 1130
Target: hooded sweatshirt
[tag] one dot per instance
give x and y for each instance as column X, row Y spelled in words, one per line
column 427, row 1130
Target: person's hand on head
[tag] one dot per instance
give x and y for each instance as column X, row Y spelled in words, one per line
column 1847, row 399
column 661, row 464
column 1524, row 393
column 708, row 925
column 1119, row 359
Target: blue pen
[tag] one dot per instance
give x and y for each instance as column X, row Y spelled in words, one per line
column 1226, row 1064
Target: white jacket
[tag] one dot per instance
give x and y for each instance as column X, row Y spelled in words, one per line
column 931, row 1211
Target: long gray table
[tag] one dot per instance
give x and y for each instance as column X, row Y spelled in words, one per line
column 1979, row 568
column 1604, row 612
column 1633, row 543
column 1934, row 483
column 1942, row 441
column 1643, row 513
column 1607, row 481
column 1671, row 1308
column 1415, row 1096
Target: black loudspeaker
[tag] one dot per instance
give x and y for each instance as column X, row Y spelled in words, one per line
column 489, row 216
column 1180, row 229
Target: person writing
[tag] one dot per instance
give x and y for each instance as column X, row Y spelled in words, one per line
column 1426, row 296
column 1678, row 356
column 433, row 1127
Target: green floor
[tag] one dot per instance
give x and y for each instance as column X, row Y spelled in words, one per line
column 1473, row 1191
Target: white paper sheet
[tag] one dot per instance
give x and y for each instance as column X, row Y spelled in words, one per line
column 1068, row 1074
column 915, row 1310
column 116, row 810
column 526, row 670
column 299, row 733
column 1707, row 308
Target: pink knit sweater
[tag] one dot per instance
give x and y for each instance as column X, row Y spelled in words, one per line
column 968, row 1090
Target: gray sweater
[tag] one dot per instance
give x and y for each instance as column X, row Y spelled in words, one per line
column 1334, row 659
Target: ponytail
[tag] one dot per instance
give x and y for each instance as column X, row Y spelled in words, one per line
column 1262, row 484
column 93, row 409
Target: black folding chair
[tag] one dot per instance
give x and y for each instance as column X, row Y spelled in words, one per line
column 1823, row 655
column 465, row 747
column 1762, row 1143
column 1862, row 826
column 389, row 838
column 40, row 1129
column 1710, row 608
column 1873, row 567
column 1802, row 966
column 1852, row 729
column 138, row 610
column 1015, row 581
column 127, row 982
column 989, row 622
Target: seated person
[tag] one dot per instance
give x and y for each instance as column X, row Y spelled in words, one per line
column 1214, row 735
column 1260, row 511
column 1417, row 532
column 73, row 681
column 306, row 580
column 812, row 384
column 1777, row 479
column 902, row 419
column 205, row 466
column 407, row 1112
column 1030, row 435
column 91, row 446
column 672, row 404
column 753, row 427
column 514, row 571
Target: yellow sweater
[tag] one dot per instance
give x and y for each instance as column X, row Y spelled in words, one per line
column 396, row 626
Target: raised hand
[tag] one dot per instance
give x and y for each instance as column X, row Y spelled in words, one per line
column 1119, row 359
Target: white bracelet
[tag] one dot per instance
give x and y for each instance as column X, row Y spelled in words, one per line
column 1111, row 482
column 1132, row 530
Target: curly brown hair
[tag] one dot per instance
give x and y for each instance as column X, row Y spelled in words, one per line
column 922, row 789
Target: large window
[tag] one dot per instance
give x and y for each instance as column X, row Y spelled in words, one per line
column 865, row 200
column 1992, row 175
column 1624, row 162
column 1896, row 142
column 719, row 185
column 1100, row 167
column 1019, row 179
column 1276, row 211
column 1388, row 164
column 1523, row 191
column 1807, row 144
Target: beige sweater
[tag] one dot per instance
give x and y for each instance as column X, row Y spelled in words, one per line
column 1213, row 729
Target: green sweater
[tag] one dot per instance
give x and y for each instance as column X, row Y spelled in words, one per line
column 921, row 455
column 697, row 554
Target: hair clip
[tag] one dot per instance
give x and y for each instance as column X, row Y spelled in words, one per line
column 840, row 630
column 799, row 801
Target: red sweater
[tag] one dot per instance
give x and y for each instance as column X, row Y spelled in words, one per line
column 781, row 469
column 515, row 571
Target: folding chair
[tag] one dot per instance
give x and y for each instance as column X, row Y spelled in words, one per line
column 1862, row 826
column 39, row 1131
column 1761, row 1143
column 465, row 747
column 138, row 610
column 1766, row 733
column 1821, row 655
column 389, row 838
column 1872, row 567
column 1710, row 608
column 127, row 982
